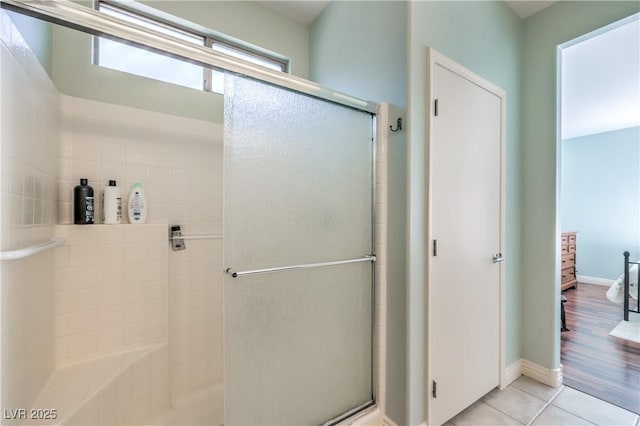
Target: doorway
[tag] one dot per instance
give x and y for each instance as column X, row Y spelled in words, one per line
column 599, row 137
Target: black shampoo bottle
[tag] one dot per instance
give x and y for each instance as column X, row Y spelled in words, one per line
column 83, row 203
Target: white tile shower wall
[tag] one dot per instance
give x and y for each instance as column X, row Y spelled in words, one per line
column 29, row 111
column 111, row 289
column 195, row 317
column 179, row 163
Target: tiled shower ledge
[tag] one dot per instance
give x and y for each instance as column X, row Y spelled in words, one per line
column 77, row 390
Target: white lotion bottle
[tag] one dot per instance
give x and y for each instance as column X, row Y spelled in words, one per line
column 137, row 204
column 111, row 204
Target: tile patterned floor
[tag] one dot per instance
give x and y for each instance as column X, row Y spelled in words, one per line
column 527, row 402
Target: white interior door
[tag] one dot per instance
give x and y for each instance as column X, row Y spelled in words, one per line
column 464, row 279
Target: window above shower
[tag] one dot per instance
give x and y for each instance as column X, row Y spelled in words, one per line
column 126, row 58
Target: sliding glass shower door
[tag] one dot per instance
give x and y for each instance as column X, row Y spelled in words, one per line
column 298, row 242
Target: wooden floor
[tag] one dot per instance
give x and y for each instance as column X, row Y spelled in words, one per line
column 594, row 362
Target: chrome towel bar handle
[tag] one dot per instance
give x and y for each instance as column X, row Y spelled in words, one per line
column 235, row 274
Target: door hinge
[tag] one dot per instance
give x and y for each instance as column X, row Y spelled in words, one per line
column 434, row 389
column 435, row 248
column 435, row 107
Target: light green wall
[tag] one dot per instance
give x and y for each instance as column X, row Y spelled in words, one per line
column 38, row 36
column 74, row 74
column 360, row 48
column 543, row 32
column 485, row 37
column 600, row 193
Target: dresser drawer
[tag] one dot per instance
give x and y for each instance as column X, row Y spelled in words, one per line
column 572, row 239
column 568, row 259
column 568, row 274
column 564, row 249
column 565, row 240
column 571, row 248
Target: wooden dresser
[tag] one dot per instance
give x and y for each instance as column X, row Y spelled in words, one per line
column 568, row 274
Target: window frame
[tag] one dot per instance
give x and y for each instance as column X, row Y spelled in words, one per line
column 209, row 40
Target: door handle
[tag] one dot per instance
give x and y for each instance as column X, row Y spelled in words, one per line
column 497, row 258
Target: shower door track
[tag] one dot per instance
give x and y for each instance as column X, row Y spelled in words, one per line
column 82, row 18
column 350, row 414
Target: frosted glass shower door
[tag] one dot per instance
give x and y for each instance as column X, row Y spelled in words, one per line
column 298, row 190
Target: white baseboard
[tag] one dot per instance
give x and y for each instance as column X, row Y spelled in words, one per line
column 511, row 373
column 550, row 377
column 583, row 279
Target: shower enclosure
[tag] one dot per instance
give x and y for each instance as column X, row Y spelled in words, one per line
column 290, row 271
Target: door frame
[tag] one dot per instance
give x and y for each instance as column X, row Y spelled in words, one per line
column 435, row 58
